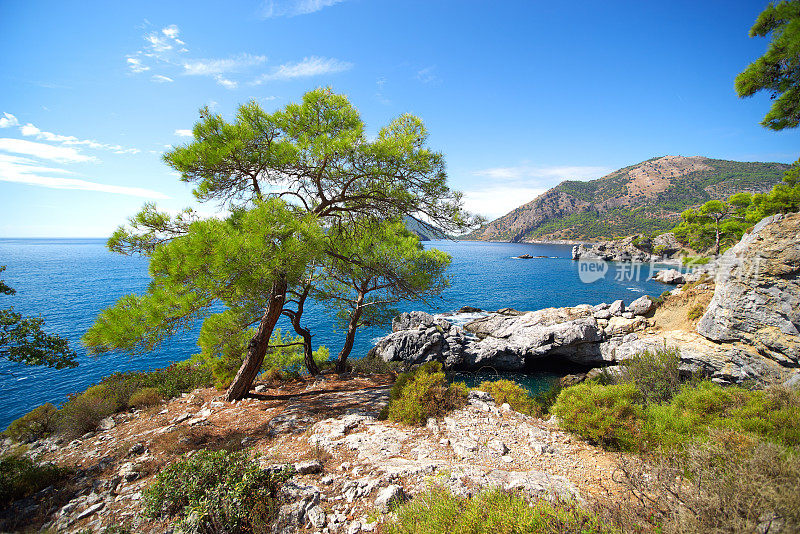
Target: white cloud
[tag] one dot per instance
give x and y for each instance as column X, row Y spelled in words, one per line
column 292, row 8
column 526, row 172
column 162, row 79
column 212, row 67
column 26, row 171
column 29, row 130
column 182, row 133
column 43, row 151
column 136, row 65
column 8, row 120
column 494, row 202
column 171, row 32
column 309, row 66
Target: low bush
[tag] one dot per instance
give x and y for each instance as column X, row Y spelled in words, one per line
column 654, row 373
column 437, row 511
column 216, row 491
column 83, row 411
column 771, row 415
column 515, row 395
column 145, row 397
column 423, row 393
column 607, row 415
column 617, row 416
column 695, row 312
column 373, row 366
column 21, row 477
column 728, row 483
column 690, row 261
column 36, row 424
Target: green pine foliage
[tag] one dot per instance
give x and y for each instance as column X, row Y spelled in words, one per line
column 23, row 340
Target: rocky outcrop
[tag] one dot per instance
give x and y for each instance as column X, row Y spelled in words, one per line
column 622, row 250
column 510, row 340
column 757, row 296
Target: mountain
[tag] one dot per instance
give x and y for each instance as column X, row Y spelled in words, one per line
column 646, row 197
column 425, row 231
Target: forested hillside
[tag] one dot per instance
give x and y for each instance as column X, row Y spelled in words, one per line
column 643, row 198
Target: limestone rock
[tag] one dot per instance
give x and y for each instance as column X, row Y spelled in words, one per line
column 641, row 306
column 757, row 295
column 390, row 496
column 669, row 276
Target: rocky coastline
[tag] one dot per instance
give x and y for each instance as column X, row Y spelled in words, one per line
column 749, row 332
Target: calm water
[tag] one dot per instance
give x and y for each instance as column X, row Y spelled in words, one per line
column 68, row 281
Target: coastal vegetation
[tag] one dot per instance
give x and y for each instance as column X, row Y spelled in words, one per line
column 216, row 491
column 437, row 511
column 23, row 340
column 306, row 191
column 422, row 393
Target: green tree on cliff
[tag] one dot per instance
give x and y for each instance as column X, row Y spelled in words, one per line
column 291, row 178
column 22, row 339
column 374, row 269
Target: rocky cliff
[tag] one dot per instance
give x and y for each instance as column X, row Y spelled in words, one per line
column 642, row 198
column 750, row 330
column 757, row 299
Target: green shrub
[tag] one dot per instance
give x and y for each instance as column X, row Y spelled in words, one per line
column 216, row 491
column 437, row 511
column 145, row 397
column 373, row 366
column 36, row 424
column 695, row 312
column 608, row 415
column 83, row 411
column 20, row 477
column 424, row 393
column 515, row 395
column 695, row 260
column 655, row 374
column 771, row 415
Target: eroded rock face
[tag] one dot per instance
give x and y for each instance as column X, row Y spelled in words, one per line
column 622, row 250
column 757, row 296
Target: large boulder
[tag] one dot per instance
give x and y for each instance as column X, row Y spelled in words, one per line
column 504, row 340
column 757, row 295
column 670, row 276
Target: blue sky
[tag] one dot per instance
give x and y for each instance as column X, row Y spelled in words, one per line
column 518, row 95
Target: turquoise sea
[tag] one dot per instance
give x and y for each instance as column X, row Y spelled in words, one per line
column 68, row 281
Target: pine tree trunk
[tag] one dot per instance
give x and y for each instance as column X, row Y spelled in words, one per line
column 257, row 348
column 351, row 333
column 716, row 246
column 308, row 351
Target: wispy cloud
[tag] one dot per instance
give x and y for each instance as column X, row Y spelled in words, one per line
column 428, row 75
column 293, row 8
column 29, row 130
column 525, row 172
column 26, row 171
column 60, row 154
column 167, row 53
column 183, row 133
column 213, row 67
column 309, row 66
column 493, row 202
